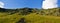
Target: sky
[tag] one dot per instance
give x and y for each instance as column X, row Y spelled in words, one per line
column 11, row 4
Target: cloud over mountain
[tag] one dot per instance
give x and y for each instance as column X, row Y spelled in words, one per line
column 1, row 4
column 47, row 4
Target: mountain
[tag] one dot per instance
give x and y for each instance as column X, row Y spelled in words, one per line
column 52, row 12
column 30, row 15
column 26, row 10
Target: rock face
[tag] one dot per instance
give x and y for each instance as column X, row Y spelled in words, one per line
column 48, row 4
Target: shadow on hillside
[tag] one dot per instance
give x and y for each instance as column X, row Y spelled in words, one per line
column 22, row 20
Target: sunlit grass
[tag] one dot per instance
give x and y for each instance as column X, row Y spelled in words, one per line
column 30, row 18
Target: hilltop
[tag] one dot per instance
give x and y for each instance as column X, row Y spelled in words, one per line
column 26, row 10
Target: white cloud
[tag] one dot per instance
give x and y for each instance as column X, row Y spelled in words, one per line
column 1, row 4
column 47, row 4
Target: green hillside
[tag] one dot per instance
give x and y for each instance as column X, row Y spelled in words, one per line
column 30, row 15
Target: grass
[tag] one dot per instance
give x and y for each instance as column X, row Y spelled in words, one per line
column 36, row 18
column 31, row 18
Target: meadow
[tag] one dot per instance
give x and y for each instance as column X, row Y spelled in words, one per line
column 35, row 17
column 30, row 18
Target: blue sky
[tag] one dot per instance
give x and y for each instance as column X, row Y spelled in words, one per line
column 23, row 3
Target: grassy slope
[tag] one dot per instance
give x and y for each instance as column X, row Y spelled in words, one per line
column 36, row 18
column 31, row 18
column 9, row 18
